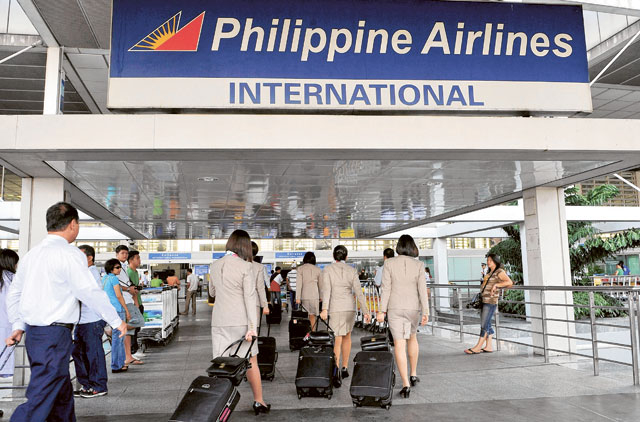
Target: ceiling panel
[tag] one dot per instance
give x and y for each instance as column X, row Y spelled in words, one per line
column 167, row 199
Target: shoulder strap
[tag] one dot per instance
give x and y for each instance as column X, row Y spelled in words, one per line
column 486, row 281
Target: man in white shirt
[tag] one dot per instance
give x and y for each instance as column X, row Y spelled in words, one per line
column 130, row 297
column 44, row 300
column 145, row 279
column 293, row 278
column 388, row 253
column 88, row 353
column 192, row 289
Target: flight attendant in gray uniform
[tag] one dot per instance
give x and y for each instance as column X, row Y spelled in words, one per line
column 234, row 314
column 308, row 286
column 406, row 304
column 259, row 273
column 339, row 283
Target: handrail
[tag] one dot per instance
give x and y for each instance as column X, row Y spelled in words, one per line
column 549, row 334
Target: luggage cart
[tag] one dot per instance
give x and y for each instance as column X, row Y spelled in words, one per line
column 160, row 316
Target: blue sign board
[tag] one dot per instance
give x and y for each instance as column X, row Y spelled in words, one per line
column 289, row 255
column 169, row 256
column 201, row 270
column 335, row 54
column 218, row 255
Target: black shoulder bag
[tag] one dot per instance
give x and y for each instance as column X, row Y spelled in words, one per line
column 476, row 302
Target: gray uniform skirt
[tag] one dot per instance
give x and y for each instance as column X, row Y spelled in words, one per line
column 222, row 337
column 403, row 323
column 312, row 306
column 342, row 322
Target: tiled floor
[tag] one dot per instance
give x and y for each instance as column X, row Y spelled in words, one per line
column 455, row 387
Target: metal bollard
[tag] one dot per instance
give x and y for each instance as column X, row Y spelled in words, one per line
column 497, row 322
column 633, row 327
column 543, row 313
column 460, row 315
column 594, row 334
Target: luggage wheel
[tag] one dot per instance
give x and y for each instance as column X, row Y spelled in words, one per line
column 356, row 404
column 387, row 407
column 299, row 396
column 329, row 396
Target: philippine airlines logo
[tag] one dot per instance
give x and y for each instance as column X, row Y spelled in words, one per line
column 167, row 37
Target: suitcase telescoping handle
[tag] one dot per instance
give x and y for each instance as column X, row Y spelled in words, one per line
column 260, row 327
column 318, row 319
column 11, row 349
column 239, row 343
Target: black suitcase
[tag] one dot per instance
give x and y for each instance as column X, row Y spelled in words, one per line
column 300, row 314
column 267, row 355
column 316, row 367
column 207, row 400
column 234, row 368
column 376, row 342
column 321, row 337
column 298, row 329
column 373, row 379
column 275, row 312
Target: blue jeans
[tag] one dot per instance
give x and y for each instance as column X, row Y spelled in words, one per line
column 485, row 319
column 117, row 346
column 88, row 356
column 50, row 394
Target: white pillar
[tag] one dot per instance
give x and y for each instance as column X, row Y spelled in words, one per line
column 53, row 82
column 37, row 196
column 525, row 268
column 548, row 263
column 441, row 262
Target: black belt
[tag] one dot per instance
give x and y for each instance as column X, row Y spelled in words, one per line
column 62, row 324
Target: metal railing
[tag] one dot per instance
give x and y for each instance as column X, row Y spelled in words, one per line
column 550, row 332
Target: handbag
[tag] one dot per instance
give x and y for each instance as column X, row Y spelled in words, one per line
column 233, row 367
column 321, row 338
column 476, row 302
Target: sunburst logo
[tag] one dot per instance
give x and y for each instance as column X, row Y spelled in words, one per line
column 167, row 37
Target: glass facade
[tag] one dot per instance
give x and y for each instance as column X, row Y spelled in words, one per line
column 13, row 20
column 11, row 189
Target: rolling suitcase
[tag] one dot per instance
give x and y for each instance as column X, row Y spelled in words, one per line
column 207, row 400
column 321, row 338
column 299, row 327
column 373, row 379
column 275, row 312
column 234, row 368
column 267, row 355
column 316, row 367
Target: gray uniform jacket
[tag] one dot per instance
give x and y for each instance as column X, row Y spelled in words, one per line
column 258, row 270
column 308, row 282
column 403, row 285
column 233, row 284
column 339, row 283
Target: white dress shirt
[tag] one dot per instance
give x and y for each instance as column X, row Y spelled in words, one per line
column 125, row 283
column 51, row 279
column 377, row 279
column 87, row 314
column 193, row 281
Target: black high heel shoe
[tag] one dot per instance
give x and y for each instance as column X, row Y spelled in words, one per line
column 405, row 392
column 260, row 408
column 414, row 381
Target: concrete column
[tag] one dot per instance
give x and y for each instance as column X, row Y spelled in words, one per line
column 37, row 196
column 548, row 263
column 54, row 82
column 525, row 268
column 441, row 263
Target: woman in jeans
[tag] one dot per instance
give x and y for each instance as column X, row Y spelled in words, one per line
column 111, row 285
column 497, row 278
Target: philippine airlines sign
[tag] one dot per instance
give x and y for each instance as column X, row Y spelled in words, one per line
column 386, row 55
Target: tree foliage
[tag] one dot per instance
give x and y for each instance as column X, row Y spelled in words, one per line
column 585, row 246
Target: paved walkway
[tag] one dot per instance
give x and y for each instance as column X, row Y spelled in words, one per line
column 505, row 385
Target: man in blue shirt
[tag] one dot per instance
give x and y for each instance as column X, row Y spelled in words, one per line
column 88, row 353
